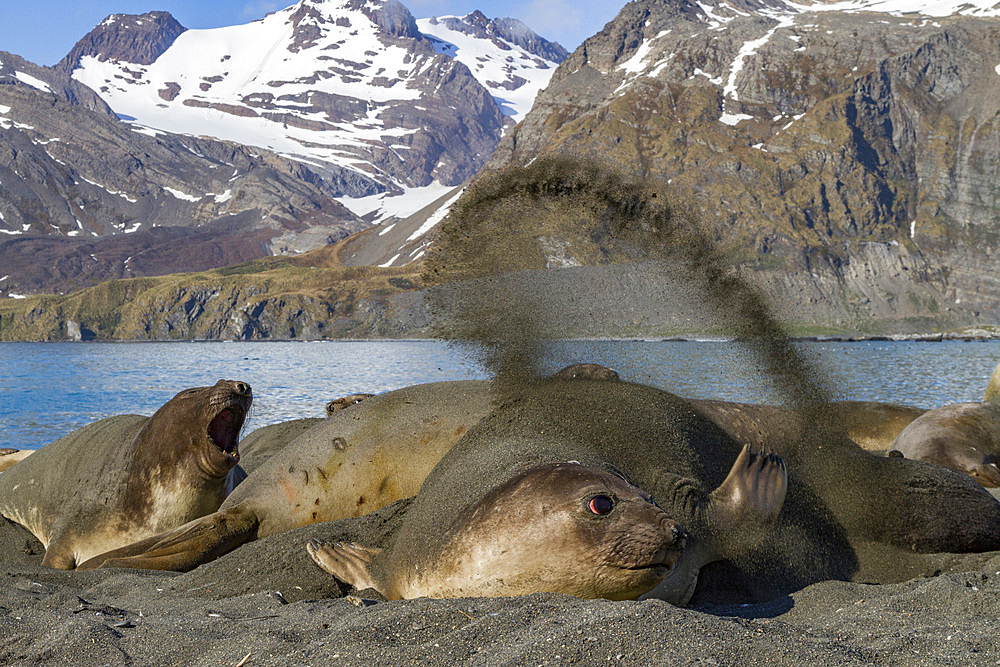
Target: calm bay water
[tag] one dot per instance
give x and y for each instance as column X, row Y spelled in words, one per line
column 49, row 389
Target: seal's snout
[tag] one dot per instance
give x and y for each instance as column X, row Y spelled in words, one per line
column 242, row 388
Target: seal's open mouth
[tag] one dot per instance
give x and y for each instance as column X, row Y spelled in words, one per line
column 224, row 430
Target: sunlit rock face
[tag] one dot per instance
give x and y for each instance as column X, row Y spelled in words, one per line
column 845, row 152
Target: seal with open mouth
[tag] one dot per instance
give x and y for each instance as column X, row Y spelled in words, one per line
column 558, row 528
column 127, row 477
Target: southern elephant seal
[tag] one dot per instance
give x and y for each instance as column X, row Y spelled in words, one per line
column 961, row 436
column 9, row 457
column 338, row 404
column 558, row 527
column 352, row 463
column 846, row 516
column 124, row 478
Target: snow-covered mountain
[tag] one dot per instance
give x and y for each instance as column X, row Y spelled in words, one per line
column 381, row 105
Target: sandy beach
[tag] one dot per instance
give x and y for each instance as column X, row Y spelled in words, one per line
column 266, row 603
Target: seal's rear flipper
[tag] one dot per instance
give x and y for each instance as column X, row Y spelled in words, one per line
column 186, row 547
column 350, row 563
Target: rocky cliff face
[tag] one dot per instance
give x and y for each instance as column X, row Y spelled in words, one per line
column 85, row 197
column 847, row 156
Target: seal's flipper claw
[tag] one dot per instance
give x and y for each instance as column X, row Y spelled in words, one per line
column 349, row 563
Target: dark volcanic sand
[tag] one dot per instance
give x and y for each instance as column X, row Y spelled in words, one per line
column 269, row 601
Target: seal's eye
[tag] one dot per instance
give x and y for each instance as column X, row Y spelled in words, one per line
column 600, row 505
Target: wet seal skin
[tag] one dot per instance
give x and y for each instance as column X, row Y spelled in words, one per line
column 127, row 477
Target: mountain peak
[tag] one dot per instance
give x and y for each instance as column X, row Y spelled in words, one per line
column 134, row 38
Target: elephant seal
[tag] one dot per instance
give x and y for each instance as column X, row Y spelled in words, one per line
column 993, row 387
column 961, row 436
column 559, row 527
column 338, row 404
column 847, row 514
column 9, row 457
column 586, row 372
column 263, row 443
column 127, row 477
column 352, row 463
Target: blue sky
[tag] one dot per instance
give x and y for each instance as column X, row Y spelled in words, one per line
column 44, row 31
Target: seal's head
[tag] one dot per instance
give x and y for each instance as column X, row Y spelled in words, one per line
column 203, row 423
column 557, row 527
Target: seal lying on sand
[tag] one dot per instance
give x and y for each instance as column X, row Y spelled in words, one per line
column 647, row 435
column 847, row 512
column 961, row 436
column 558, row 527
column 9, row 457
column 127, row 477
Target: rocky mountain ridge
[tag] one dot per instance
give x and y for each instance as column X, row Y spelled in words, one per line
column 87, row 194
column 353, row 88
column 85, row 197
column 845, row 152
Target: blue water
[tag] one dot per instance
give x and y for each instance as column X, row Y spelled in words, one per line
column 50, row 389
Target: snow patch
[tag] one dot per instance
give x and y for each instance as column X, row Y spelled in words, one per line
column 493, row 68
column 182, row 195
column 32, row 81
column 389, row 263
column 433, row 220
column 401, row 206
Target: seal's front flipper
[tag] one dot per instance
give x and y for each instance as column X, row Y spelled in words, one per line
column 186, row 547
column 726, row 523
column 755, row 487
column 350, row 563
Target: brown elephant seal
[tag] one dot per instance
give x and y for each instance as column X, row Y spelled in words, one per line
column 961, row 436
column 263, row 443
column 338, row 404
column 586, row 372
column 558, row 527
column 352, row 463
column 9, row 457
column 127, row 477
column 993, row 387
